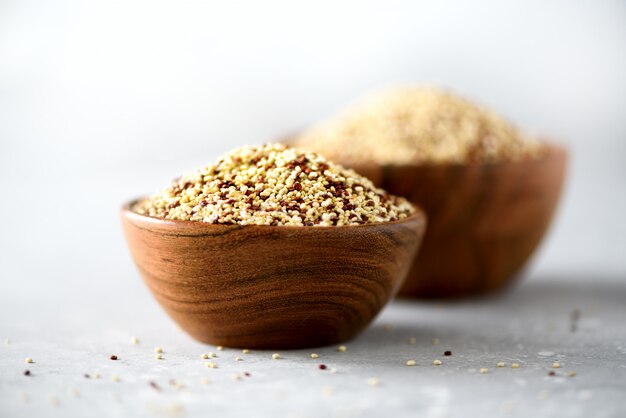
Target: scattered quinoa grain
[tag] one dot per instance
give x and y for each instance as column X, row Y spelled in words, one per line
column 373, row 381
column 23, row 397
column 342, row 348
column 212, row 355
column 211, row 365
column 96, row 375
column 204, row 356
column 158, row 356
column 411, row 363
column 551, row 373
column 134, row 340
column 484, row 370
column 515, row 366
column 158, row 350
column 219, row 348
column 115, row 378
column 257, row 186
column 247, row 374
column 556, row 365
column 571, row 373
column 501, row 364
column 28, row 360
column 276, row 356
column 54, row 401
column 314, row 355
column 235, row 376
column 113, row 357
column 238, row 358
column 447, row 353
column 245, row 351
column 26, row 372
column 437, row 362
column 333, row 370
column 322, row 367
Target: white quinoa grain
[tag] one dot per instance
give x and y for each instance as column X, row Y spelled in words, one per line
column 373, row 381
column 342, row 348
column 158, row 350
column 134, row 340
column 245, row 351
column 484, row 370
column 269, row 185
column 211, row 365
column 556, row 365
column 437, row 362
column 158, row 356
column 28, row 360
column 515, row 366
column 276, row 356
column 314, row 355
column 204, row 356
column 411, row 363
column 501, row 364
column 416, row 125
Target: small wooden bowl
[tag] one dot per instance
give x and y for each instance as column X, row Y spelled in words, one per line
column 272, row 286
column 484, row 220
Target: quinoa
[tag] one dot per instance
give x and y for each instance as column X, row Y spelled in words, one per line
column 418, row 125
column 274, row 184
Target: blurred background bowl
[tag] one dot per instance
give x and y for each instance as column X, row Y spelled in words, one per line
column 272, row 287
column 485, row 220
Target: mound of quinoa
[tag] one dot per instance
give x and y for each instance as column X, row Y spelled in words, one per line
column 274, row 184
column 418, row 125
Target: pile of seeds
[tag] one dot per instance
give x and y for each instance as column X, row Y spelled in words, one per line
column 418, row 125
column 275, row 184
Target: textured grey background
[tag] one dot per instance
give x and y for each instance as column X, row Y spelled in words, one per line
column 102, row 101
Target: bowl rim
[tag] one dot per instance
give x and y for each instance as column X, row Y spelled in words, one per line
column 126, row 212
column 553, row 149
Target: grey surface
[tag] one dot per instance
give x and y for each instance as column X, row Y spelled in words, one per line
column 103, row 101
column 531, row 326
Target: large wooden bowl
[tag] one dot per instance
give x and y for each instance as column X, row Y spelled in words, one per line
column 484, row 220
column 272, row 286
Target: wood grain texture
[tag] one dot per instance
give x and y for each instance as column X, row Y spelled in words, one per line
column 272, row 286
column 484, row 220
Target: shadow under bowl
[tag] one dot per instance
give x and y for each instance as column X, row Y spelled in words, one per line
column 484, row 220
column 272, row 287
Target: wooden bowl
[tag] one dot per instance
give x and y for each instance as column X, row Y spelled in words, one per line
column 484, row 220
column 272, row 286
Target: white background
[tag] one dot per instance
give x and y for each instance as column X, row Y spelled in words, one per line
column 102, row 101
